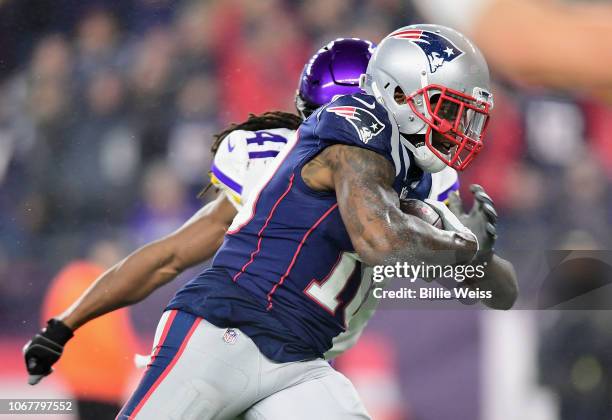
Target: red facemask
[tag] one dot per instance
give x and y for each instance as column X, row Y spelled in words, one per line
column 459, row 118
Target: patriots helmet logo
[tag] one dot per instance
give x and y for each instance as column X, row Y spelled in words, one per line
column 365, row 123
column 437, row 48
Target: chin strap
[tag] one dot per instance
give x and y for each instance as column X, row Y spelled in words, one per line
column 427, row 160
column 424, row 157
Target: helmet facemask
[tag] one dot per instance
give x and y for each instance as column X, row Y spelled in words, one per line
column 443, row 107
column 452, row 124
column 456, row 122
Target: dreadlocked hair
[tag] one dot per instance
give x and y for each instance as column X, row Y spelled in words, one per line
column 265, row 121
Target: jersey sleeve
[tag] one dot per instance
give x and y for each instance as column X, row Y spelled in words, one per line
column 443, row 183
column 229, row 166
column 355, row 120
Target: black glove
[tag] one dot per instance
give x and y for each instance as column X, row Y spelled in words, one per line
column 42, row 351
column 481, row 220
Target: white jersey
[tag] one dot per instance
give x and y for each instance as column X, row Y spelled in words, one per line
column 243, row 157
column 239, row 170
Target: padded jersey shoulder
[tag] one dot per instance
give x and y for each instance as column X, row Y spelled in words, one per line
column 242, row 158
column 356, row 120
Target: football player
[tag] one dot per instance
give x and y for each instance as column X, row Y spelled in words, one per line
column 262, row 147
column 241, row 155
column 250, row 332
column 242, row 152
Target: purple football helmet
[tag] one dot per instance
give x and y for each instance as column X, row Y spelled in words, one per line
column 334, row 70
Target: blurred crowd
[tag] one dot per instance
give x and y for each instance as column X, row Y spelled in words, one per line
column 107, row 111
column 108, row 108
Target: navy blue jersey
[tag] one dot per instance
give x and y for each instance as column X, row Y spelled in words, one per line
column 289, row 250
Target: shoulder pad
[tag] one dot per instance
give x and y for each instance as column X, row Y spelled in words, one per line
column 357, row 120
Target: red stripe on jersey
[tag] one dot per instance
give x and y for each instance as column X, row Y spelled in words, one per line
column 231, row 232
column 297, row 252
column 265, row 225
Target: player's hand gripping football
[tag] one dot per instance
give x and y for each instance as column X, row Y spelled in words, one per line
column 481, row 220
column 462, row 234
column 42, row 351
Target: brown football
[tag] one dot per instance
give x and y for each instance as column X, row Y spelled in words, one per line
column 422, row 210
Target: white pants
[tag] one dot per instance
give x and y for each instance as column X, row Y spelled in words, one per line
column 199, row 371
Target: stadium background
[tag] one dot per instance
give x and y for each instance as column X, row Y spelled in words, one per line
column 107, row 111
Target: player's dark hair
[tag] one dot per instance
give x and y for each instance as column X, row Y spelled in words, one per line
column 265, row 121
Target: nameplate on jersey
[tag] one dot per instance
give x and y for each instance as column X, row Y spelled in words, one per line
column 365, row 123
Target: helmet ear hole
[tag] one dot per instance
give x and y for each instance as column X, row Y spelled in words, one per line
column 399, row 96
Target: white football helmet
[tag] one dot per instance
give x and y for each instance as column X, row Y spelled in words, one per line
column 433, row 79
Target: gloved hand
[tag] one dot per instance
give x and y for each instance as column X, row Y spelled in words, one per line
column 450, row 221
column 42, row 351
column 481, row 220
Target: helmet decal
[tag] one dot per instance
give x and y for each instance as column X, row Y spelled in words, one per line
column 437, row 48
column 446, row 82
column 366, row 123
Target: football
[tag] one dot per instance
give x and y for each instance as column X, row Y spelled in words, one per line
column 422, row 210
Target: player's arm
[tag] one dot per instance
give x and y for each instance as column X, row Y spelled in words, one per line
column 155, row 264
column 500, row 277
column 500, row 280
column 380, row 232
column 131, row 280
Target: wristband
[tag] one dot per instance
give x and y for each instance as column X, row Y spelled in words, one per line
column 57, row 331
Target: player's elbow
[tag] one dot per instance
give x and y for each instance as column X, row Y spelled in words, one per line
column 174, row 264
column 373, row 249
column 506, row 290
column 503, row 301
column 170, row 262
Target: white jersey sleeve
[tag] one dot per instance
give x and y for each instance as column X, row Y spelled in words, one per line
column 242, row 158
column 364, row 304
column 443, row 183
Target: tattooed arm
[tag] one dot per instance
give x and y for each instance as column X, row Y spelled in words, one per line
column 380, row 232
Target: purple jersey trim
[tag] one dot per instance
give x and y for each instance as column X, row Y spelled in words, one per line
column 443, row 196
column 262, row 140
column 226, row 179
column 263, row 154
